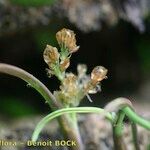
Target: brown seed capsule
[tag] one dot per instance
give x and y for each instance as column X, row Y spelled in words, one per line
column 50, row 54
column 66, row 38
column 64, row 64
column 98, row 74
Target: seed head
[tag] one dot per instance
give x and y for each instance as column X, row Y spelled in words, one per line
column 66, row 38
column 50, row 55
column 98, row 74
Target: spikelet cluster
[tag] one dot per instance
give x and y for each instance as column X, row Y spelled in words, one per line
column 73, row 87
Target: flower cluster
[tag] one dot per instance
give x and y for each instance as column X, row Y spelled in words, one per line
column 73, row 87
column 59, row 61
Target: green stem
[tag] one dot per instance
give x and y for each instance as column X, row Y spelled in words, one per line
column 74, row 117
column 32, row 81
column 43, row 90
column 60, row 75
column 60, row 112
column 119, row 124
column 68, row 124
column 70, row 131
column 135, row 118
column 135, row 136
column 117, row 132
column 127, row 110
column 64, row 52
column 75, row 126
column 126, row 106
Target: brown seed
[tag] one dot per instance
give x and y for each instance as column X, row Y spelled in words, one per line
column 50, row 54
column 98, row 74
column 66, row 38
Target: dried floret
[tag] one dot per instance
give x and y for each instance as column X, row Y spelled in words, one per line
column 51, row 55
column 66, row 38
column 98, row 74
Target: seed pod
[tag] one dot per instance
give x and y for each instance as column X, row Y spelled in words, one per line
column 98, row 74
column 50, row 55
column 64, row 64
column 66, row 38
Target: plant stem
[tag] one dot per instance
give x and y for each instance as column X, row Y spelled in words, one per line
column 125, row 105
column 65, row 123
column 71, row 131
column 135, row 118
column 118, row 126
column 32, row 81
column 63, row 111
column 127, row 110
column 135, row 136
column 117, row 132
column 76, row 127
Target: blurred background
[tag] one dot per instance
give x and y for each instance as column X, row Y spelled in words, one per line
column 112, row 34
